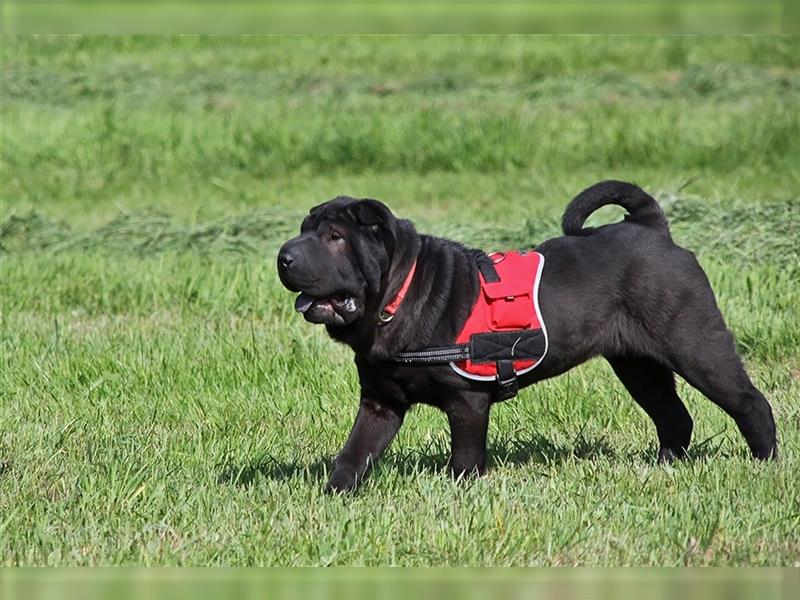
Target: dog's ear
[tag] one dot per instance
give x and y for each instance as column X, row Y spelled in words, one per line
column 310, row 219
column 374, row 215
column 315, row 209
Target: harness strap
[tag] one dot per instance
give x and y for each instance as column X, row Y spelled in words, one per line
column 435, row 355
column 507, row 385
column 486, row 267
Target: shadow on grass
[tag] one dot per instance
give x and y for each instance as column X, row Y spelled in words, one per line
column 536, row 450
column 529, row 452
column 273, row 469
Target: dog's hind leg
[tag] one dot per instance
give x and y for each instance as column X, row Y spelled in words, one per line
column 713, row 367
column 652, row 385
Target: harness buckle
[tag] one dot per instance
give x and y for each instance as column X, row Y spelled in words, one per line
column 507, row 385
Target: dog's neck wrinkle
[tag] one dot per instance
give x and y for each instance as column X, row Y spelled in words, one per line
column 445, row 284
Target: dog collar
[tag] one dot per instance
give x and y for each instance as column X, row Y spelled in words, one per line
column 387, row 314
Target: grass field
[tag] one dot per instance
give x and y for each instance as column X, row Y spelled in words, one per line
column 161, row 403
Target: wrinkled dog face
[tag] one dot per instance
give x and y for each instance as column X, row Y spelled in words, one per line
column 338, row 260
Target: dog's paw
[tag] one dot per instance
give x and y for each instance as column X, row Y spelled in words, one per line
column 341, row 481
column 667, row 456
column 459, row 472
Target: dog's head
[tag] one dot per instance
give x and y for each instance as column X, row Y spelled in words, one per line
column 340, row 261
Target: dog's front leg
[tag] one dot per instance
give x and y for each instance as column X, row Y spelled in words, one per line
column 375, row 427
column 469, row 423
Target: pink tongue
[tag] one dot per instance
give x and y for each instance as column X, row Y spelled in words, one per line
column 303, row 302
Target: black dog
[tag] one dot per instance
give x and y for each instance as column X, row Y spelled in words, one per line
column 623, row 291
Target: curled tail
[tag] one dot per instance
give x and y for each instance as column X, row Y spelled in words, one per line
column 641, row 206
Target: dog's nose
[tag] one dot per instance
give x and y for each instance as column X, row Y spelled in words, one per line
column 285, row 259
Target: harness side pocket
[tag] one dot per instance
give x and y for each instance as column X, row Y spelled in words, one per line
column 510, row 304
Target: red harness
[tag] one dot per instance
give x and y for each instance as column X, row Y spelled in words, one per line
column 508, row 305
column 504, row 335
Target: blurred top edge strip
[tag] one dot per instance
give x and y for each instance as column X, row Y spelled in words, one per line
column 401, row 17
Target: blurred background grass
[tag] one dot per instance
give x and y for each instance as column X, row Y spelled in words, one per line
column 205, row 126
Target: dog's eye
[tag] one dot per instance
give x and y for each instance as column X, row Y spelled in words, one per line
column 335, row 235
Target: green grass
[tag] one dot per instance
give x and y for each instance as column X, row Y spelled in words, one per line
column 161, row 403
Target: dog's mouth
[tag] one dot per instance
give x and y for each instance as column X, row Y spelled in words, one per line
column 336, row 309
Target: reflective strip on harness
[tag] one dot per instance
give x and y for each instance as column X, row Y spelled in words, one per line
column 434, row 355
